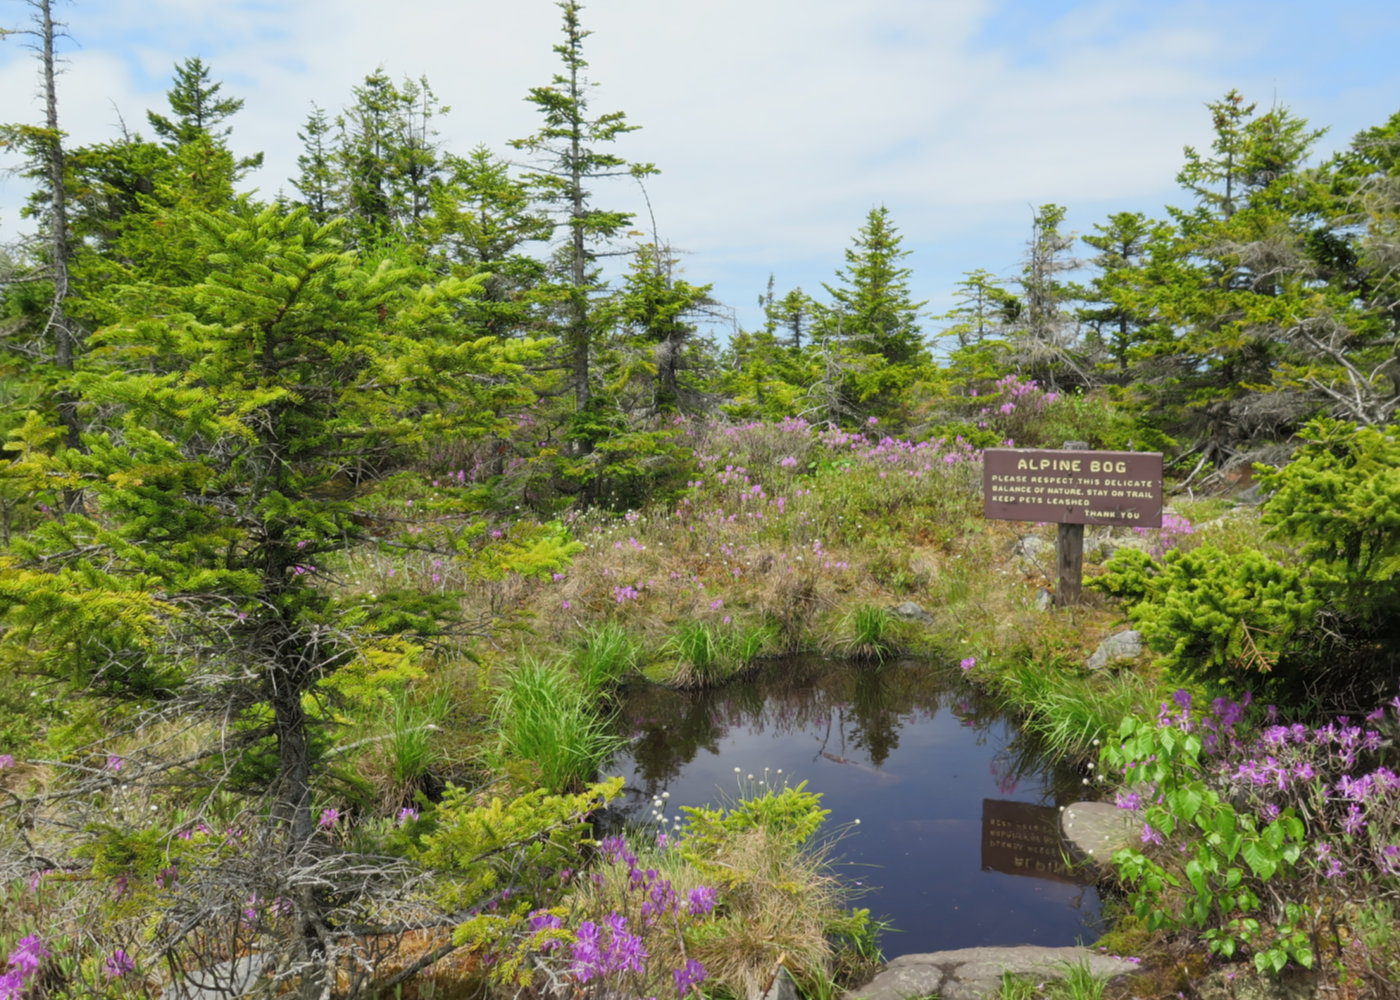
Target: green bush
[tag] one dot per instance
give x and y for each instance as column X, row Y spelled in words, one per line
column 1211, row 614
column 1319, row 619
column 1338, row 501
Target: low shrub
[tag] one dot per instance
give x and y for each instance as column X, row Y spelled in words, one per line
column 1260, row 836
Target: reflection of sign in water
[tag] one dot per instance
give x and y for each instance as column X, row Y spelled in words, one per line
column 1023, row 839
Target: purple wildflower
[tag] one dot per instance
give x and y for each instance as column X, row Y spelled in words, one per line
column 118, row 964
column 700, row 901
column 587, row 959
column 28, row 955
column 542, row 920
column 1354, row 822
column 690, row 974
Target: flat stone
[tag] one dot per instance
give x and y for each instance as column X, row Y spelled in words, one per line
column 1095, row 830
column 1126, row 645
column 976, row 973
column 226, row 979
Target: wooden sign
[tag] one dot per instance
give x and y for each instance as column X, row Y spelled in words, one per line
column 1073, row 487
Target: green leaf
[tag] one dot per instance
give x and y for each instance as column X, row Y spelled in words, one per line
column 1260, row 860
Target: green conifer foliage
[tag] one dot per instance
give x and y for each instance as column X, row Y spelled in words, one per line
column 241, row 427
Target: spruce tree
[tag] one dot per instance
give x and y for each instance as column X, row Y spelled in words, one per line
column 572, row 150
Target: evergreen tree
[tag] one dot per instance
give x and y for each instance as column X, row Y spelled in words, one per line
column 387, row 157
column 199, row 112
column 879, row 317
column 572, row 149
column 57, row 336
column 1251, row 152
column 1243, row 274
column 482, row 220
column 1116, row 311
column 228, row 479
column 1045, row 343
column 318, row 178
column 658, row 307
column 984, row 311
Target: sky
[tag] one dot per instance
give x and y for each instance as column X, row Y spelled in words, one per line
column 777, row 125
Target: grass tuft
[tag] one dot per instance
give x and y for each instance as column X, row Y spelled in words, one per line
column 866, row 632
column 707, row 655
column 543, row 715
column 607, row 654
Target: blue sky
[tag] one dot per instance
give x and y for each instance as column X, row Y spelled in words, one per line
column 777, row 124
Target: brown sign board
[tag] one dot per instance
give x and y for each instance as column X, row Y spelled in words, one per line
column 1073, row 487
column 1020, row 838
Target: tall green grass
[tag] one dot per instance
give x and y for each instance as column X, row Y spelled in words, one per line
column 605, row 656
column 1067, row 710
column 412, row 724
column 866, row 632
column 544, row 715
column 707, row 655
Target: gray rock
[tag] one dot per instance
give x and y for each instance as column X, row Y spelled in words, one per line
column 975, row 973
column 783, row 987
column 1044, row 600
column 909, row 611
column 1035, row 553
column 219, row 982
column 1125, row 645
column 1095, row 830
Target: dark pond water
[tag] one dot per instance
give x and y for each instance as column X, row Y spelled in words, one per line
column 955, row 843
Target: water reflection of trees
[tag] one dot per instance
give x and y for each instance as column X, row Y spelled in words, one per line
column 852, row 713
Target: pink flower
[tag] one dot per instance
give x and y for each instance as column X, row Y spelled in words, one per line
column 968, row 663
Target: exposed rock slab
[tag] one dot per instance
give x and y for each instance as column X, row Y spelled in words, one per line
column 975, row 973
column 226, row 979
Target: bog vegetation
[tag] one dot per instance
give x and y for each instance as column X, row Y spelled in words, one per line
column 331, row 529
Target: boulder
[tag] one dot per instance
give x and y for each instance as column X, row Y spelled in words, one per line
column 1094, row 831
column 1126, row 645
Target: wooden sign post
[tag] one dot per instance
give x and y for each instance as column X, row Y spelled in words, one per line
column 1072, row 487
